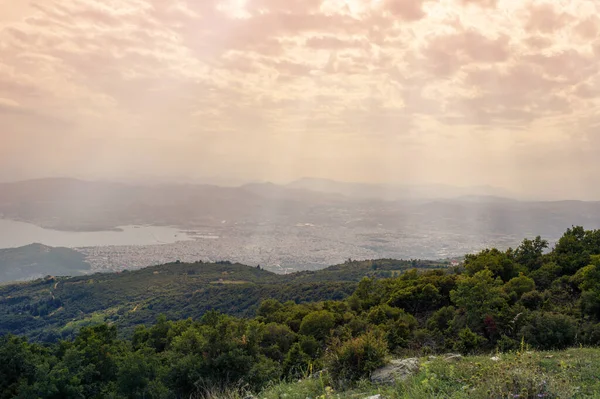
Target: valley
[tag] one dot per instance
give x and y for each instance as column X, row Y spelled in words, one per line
column 283, row 228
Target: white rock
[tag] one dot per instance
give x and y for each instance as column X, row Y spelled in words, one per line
column 397, row 370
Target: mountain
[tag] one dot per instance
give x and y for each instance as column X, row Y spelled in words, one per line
column 161, row 332
column 294, row 226
column 75, row 205
column 390, row 192
column 37, row 260
column 54, row 307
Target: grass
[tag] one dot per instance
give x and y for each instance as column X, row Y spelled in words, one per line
column 574, row 373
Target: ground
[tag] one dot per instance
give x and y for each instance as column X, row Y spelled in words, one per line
column 574, row 373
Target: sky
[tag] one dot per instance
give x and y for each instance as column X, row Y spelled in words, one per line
column 462, row 92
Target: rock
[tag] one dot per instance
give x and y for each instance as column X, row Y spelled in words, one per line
column 453, row 357
column 319, row 374
column 397, row 370
column 378, row 396
column 495, row 359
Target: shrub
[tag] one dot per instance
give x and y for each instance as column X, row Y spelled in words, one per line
column 317, row 324
column 425, row 341
column 532, row 300
column 550, row 331
column 545, row 275
column 263, row 372
column 357, row 358
column 519, row 286
column 296, row 364
column 440, row 320
column 506, row 344
column 468, row 342
column 590, row 334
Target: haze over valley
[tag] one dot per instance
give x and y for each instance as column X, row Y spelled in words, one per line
column 308, row 224
column 411, row 129
column 328, row 199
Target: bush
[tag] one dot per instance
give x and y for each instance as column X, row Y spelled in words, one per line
column 317, row 324
column 590, row 334
column 506, row 344
column 263, row 372
column 468, row 342
column 550, row 331
column 297, row 363
column 532, row 300
column 440, row 320
column 357, row 358
column 425, row 340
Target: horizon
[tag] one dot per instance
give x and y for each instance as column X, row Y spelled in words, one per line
column 498, row 192
column 456, row 92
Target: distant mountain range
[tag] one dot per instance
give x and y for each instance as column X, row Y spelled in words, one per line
column 260, row 222
column 76, row 205
column 393, row 192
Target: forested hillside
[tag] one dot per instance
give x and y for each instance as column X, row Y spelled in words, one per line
column 500, row 301
column 54, row 307
column 37, row 260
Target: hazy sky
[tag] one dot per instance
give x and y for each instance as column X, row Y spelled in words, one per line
column 462, row 92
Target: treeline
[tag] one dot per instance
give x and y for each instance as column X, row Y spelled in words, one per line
column 498, row 300
column 53, row 308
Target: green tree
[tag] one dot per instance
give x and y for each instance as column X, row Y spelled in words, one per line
column 531, row 253
column 479, row 296
column 140, row 376
column 277, row 339
column 588, row 280
column 501, row 264
column 519, row 286
column 17, row 365
column 296, row 363
column 317, row 324
column 545, row 275
column 550, row 331
column 572, row 251
column 468, row 342
column 355, row 359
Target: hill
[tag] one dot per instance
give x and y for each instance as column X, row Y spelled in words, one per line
column 37, row 260
column 295, row 227
column 394, row 191
column 54, row 307
column 502, row 304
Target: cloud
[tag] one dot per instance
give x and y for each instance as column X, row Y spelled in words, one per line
column 588, row 28
column 8, row 103
column 538, row 42
column 445, row 54
column 482, row 3
column 546, row 19
column 267, row 81
column 408, row 10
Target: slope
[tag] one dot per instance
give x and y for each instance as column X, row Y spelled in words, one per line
column 37, row 260
column 55, row 307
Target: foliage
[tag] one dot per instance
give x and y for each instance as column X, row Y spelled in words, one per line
column 550, row 331
column 524, row 375
column 37, row 260
column 56, row 307
column 104, row 335
column 356, row 358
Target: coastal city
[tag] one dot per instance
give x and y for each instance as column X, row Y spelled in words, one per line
column 291, row 249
